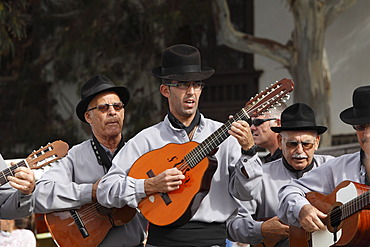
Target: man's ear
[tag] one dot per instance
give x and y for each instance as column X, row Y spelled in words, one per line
column 165, row 90
column 317, row 143
column 88, row 117
column 280, row 141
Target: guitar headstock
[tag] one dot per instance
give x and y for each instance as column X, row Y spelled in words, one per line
column 272, row 96
column 48, row 154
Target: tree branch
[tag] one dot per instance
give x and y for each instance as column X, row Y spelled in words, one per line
column 335, row 8
column 227, row 35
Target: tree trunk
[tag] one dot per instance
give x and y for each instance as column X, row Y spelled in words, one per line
column 309, row 66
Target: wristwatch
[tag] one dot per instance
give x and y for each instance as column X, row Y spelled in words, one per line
column 252, row 151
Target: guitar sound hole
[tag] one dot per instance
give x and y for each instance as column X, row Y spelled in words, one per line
column 335, row 217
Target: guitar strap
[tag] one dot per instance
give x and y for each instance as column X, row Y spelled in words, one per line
column 101, row 154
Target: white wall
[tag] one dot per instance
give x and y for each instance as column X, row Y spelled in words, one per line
column 347, row 44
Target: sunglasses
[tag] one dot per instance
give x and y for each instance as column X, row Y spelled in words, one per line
column 294, row 144
column 197, row 85
column 105, row 107
column 257, row 121
column 360, row 127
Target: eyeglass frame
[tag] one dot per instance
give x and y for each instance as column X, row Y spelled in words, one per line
column 261, row 120
column 107, row 105
column 296, row 143
column 200, row 85
column 360, row 127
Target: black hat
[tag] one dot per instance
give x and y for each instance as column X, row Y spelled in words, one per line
column 182, row 63
column 360, row 112
column 298, row 116
column 95, row 85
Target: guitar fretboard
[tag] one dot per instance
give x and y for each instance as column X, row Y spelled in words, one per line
column 355, row 205
column 213, row 141
column 10, row 171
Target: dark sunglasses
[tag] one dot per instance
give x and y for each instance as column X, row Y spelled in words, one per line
column 360, row 127
column 257, row 121
column 105, row 107
column 294, row 144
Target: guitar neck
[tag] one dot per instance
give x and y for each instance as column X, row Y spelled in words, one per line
column 213, row 141
column 10, row 171
column 355, row 205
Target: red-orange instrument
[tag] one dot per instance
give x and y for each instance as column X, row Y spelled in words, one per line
column 177, row 207
column 347, row 222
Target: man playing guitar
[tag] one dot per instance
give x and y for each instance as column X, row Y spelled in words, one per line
column 182, row 84
column 70, row 185
column 295, row 209
column 298, row 138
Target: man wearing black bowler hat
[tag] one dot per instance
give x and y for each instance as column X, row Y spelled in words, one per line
column 182, row 83
column 298, row 138
column 71, row 183
column 294, row 207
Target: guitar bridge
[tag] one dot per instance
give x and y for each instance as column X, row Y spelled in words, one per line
column 165, row 197
column 81, row 226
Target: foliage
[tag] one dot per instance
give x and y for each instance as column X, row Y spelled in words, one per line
column 12, row 24
column 45, row 44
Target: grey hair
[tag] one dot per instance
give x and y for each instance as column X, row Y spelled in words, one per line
column 276, row 111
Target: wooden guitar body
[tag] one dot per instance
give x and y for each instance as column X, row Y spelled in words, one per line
column 352, row 221
column 86, row 226
column 178, row 206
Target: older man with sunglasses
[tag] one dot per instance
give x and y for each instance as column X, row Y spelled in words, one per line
column 298, row 138
column 263, row 136
column 72, row 182
column 294, row 207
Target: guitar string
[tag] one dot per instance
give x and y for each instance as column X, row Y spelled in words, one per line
column 350, row 208
column 196, row 156
column 10, row 170
column 90, row 211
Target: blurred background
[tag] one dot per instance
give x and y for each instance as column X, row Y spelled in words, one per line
column 49, row 48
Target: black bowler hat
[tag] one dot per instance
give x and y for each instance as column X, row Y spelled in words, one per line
column 298, row 116
column 360, row 112
column 94, row 86
column 182, row 63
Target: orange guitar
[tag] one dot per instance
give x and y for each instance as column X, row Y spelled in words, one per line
column 37, row 159
column 347, row 222
column 86, row 226
column 177, row 207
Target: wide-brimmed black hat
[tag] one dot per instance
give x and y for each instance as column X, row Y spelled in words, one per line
column 95, row 85
column 298, row 116
column 182, row 63
column 360, row 112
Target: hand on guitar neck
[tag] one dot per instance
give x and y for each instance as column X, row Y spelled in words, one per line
column 311, row 219
column 273, row 230
column 23, row 180
column 241, row 131
column 168, row 180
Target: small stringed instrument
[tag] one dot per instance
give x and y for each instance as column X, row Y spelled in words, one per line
column 86, row 226
column 347, row 222
column 178, row 206
column 37, row 159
